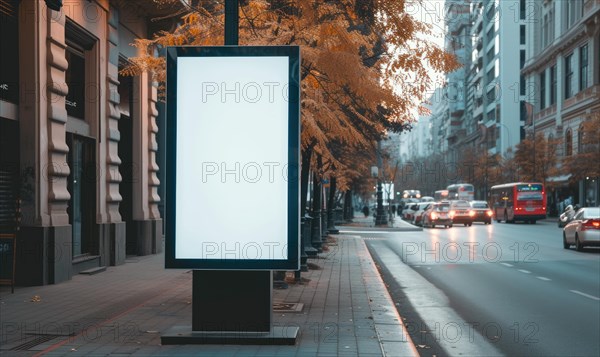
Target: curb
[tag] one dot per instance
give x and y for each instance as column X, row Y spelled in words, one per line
column 392, row 335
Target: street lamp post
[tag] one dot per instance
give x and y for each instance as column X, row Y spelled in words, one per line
column 381, row 217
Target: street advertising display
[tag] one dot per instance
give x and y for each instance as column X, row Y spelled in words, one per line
column 233, row 149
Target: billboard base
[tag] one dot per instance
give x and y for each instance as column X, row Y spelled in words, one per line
column 232, row 307
column 183, row 335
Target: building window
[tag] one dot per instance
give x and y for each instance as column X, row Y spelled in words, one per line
column 75, row 77
column 522, row 85
column 490, row 75
column 569, row 87
column 545, row 31
column 9, row 43
column 553, row 85
column 543, row 90
column 583, row 67
column 491, row 115
column 548, row 23
column 522, row 34
column 491, row 54
column 569, row 142
column 79, row 44
column 522, row 58
column 522, row 9
column 574, row 11
column 490, row 35
column 551, row 26
column 580, row 134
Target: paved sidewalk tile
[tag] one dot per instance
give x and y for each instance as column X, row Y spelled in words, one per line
column 123, row 311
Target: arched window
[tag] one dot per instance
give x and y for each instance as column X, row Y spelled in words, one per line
column 580, row 146
column 569, row 142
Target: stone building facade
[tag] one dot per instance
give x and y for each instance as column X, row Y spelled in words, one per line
column 79, row 142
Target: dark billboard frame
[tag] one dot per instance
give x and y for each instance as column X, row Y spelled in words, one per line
column 293, row 182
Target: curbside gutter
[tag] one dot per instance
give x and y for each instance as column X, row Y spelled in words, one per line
column 393, row 338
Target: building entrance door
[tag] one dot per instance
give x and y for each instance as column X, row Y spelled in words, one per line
column 82, row 187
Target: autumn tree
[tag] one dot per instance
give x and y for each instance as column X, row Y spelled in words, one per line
column 484, row 169
column 365, row 67
column 508, row 169
column 536, row 159
column 586, row 162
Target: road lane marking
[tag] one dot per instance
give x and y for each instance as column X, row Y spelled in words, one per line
column 586, row 295
column 524, row 271
column 544, row 279
column 506, row 264
column 365, row 232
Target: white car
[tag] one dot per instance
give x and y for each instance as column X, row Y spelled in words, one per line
column 584, row 229
column 409, row 211
column 417, row 219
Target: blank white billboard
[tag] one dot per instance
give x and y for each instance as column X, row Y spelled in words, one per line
column 232, row 131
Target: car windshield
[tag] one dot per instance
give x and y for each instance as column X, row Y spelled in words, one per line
column 591, row 212
column 442, row 208
column 480, row 205
column 461, row 204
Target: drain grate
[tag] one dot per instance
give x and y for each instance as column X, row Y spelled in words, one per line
column 287, row 307
column 34, row 342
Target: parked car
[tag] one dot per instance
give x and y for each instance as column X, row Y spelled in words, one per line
column 409, row 210
column 566, row 216
column 584, row 229
column 418, row 214
column 437, row 214
column 461, row 212
column 483, row 213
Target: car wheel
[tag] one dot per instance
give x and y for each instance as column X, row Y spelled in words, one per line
column 565, row 244
column 470, row 224
column 533, row 222
column 450, row 226
column 578, row 245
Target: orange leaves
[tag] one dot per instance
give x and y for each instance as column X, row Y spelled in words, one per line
column 312, row 81
column 362, row 63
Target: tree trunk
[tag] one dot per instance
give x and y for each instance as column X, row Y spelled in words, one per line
column 304, row 170
column 348, row 207
column 330, row 203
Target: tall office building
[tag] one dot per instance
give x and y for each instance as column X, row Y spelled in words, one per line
column 496, row 86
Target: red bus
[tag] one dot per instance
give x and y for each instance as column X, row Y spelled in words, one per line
column 518, row 201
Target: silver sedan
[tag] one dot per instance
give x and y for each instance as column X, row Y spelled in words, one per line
column 584, row 229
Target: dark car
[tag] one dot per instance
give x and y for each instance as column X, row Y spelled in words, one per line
column 461, row 212
column 483, row 213
column 437, row 214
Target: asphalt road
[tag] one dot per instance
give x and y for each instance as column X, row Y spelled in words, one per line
column 500, row 289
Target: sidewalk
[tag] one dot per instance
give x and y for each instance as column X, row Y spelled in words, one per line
column 398, row 224
column 345, row 311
